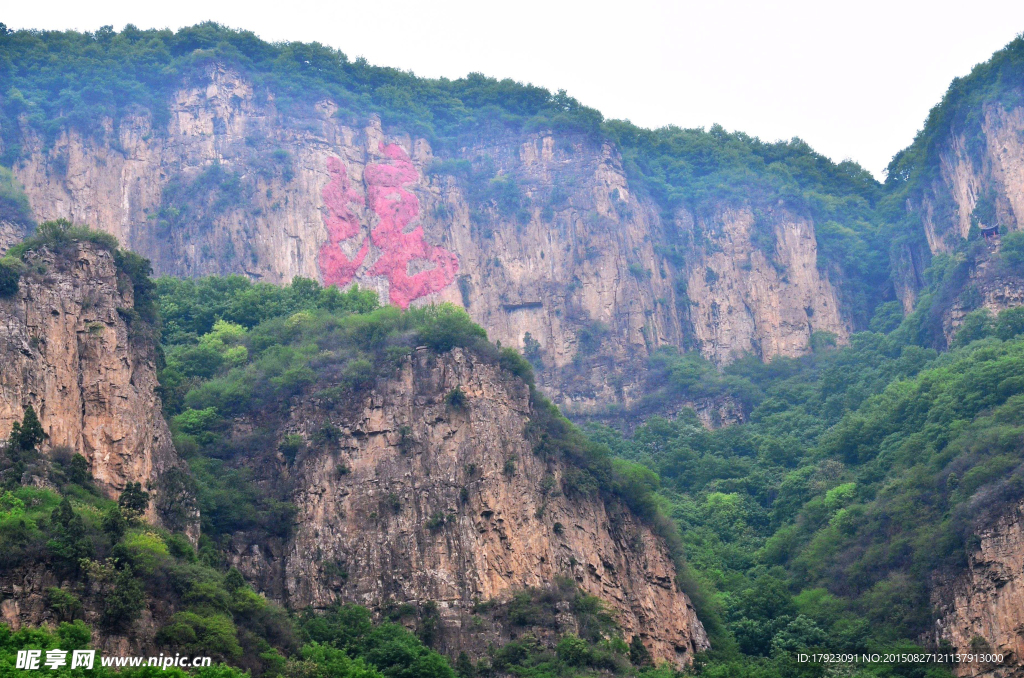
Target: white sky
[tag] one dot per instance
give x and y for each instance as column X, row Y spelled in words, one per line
column 854, row 79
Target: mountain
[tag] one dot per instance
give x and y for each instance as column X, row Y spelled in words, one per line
column 587, row 245
column 807, row 382
column 412, row 428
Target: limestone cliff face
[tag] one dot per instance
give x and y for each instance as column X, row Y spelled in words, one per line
column 416, row 500
column 989, row 168
column 536, row 234
column 10, row 233
column 982, row 609
column 979, row 181
column 761, row 300
column 67, row 350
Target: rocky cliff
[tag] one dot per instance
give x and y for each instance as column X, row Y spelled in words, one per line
column 980, row 179
column 416, row 498
column 71, row 347
column 982, row 609
column 24, row 602
column 10, row 233
column 965, row 170
column 540, row 236
column 988, row 285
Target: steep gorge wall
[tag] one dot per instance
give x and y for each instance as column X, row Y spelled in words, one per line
column 980, row 168
column 534, row 234
column 418, row 500
column 979, row 180
column 982, row 609
column 67, row 350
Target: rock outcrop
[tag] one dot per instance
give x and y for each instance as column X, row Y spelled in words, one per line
column 70, row 347
column 978, row 181
column 24, row 602
column 765, row 300
column 982, row 609
column 988, row 286
column 415, row 499
column 987, row 168
column 10, row 233
column 538, row 235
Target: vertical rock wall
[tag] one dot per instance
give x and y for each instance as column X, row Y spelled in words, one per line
column 535, row 234
column 421, row 501
column 67, row 350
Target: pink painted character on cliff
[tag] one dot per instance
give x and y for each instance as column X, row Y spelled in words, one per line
column 342, row 224
column 396, row 208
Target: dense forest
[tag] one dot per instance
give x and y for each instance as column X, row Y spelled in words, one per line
column 860, row 473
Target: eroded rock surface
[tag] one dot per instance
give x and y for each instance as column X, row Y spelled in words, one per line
column 538, row 235
column 982, row 609
column 418, row 500
column 69, row 348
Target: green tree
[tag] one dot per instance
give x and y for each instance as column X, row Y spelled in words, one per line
column 9, row 277
column 639, row 655
column 124, row 604
column 114, row 523
column 133, row 501
column 27, row 434
column 78, row 470
column 69, row 541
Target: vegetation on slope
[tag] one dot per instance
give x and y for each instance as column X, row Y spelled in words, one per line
column 861, row 472
column 234, row 348
column 113, row 565
column 14, row 205
column 816, row 524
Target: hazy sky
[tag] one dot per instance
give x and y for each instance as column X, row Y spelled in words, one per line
column 854, row 79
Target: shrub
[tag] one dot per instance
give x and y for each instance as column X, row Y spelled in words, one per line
column 64, row 603
column 1010, row 323
column 573, row 651
column 976, row 325
column 291, row 445
column 822, row 340
column 510, row 361
column 60, row 234
column 143, row 551
column 192, row 633
column 1011, row 251
column 10, row 273
column 456, row 399
column 639, row 655
column 445, row 326
column 179, row 547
